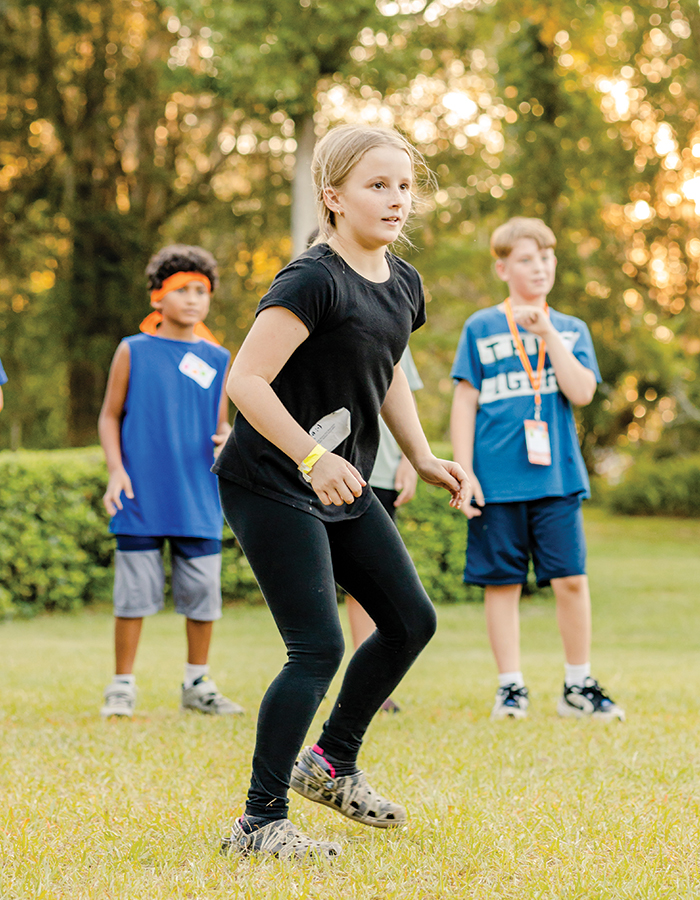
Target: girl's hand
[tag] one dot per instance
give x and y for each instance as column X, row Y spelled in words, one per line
column 335, row 481
column 474, row 491
column 447, row 474
column 118, row 481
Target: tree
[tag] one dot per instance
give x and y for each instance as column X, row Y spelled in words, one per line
column 109, row 131
column 276, row 56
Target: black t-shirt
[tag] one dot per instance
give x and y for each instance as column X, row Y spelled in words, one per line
column 357, row 333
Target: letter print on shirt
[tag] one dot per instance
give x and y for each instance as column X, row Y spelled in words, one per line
column 516, row 383
column 196, row 369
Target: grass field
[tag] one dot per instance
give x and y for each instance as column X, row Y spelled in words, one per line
column 537, row 809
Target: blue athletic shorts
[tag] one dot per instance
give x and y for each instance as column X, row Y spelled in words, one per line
column 139, row 576
column 504, row 537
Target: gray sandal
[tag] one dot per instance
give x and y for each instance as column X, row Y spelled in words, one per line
column 350, row 795
column 281, row 839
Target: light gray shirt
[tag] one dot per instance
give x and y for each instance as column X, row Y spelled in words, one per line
column 389, row 453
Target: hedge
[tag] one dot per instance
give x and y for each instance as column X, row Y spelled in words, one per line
column 669, row 487
column 56, row 551
column 55, row 548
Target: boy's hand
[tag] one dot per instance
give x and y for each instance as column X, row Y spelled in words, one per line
column 447, row 474
column 474, row 493
column 533, row 319
column 118, row 481
column 335, row 481
column 405, row 482
column 224, row 430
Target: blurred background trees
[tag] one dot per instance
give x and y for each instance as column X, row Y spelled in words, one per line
column 125, row 124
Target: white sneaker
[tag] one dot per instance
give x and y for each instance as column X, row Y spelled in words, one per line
column 589, row 701
column 511, row 702
column 204, row 696
column 120, row 699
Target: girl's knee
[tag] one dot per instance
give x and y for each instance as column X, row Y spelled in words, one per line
column 323, row 657
column 423, row 625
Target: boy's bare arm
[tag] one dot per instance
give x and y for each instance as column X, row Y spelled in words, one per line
column 109, row 429
column 576, row 381
column 2, row 400
column 465, row 403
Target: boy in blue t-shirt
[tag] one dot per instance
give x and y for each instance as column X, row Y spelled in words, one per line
column 164, row 413
column 519, row 367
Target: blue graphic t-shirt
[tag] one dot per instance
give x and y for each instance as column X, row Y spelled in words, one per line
column 3, row 376
column 488, row 359
column 170, row 413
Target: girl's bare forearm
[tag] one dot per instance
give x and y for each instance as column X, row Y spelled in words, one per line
column 266, row 413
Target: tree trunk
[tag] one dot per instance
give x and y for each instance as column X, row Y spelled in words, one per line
column 105, row 302
column 86, row 385
column 304, row 219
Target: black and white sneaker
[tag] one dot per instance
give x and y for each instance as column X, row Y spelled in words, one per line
column 511, row 702
column 589, row 701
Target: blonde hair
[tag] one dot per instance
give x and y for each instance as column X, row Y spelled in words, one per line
column 504, row 237
column 339, row 151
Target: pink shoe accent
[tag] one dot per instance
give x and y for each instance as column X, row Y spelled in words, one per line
column 320, row 752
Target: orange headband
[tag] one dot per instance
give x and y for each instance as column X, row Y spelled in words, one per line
column 172, row 283
column 178, row 280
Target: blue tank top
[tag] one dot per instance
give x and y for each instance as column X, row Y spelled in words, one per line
column 170, row 413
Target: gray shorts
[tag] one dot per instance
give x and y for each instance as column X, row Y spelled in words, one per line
column 139, row 583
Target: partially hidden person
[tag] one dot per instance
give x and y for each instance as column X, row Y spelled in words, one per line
column 394, row 481
column 3, row 380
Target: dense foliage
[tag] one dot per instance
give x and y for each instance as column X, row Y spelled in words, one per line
column 668, row 487
column 55, row 548
column 127, row 124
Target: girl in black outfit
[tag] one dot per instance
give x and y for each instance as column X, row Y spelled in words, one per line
column 319, row 366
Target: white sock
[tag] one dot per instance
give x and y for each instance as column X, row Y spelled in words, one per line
column 576, row 675
column 125, row 679
column 193, row 672
column 506, row 678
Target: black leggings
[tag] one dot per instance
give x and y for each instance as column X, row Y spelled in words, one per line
column 297, row 559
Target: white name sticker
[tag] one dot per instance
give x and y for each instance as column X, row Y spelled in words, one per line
column 537, row 441
column 196, row 369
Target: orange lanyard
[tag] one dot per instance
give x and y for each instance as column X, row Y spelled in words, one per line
column 535, row 377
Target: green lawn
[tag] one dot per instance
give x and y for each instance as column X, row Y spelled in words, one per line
column 537, row 809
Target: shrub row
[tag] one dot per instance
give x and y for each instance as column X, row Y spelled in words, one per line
column 55, row 548
column 669, row 487
column 56, row 551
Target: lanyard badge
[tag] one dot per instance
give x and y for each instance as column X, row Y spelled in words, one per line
column 536, row 431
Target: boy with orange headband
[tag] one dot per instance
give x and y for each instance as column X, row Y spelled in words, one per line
column 519, row 368
column 164, row 416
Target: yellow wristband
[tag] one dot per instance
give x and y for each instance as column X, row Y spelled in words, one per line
column 306, row 465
